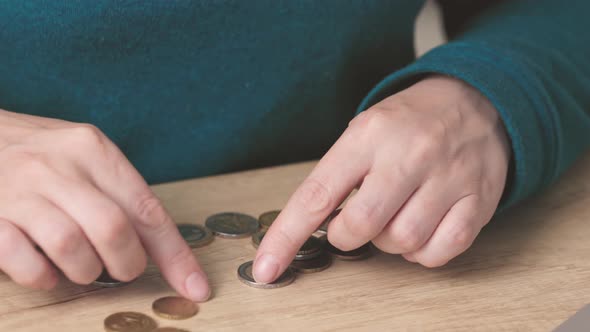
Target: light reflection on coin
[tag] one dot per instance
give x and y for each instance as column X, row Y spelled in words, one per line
column 195, row 235
column 266, row 219
column 310, row 249
column 174, row 307
column 129, row 322
column 245, row 275
column 232, row 225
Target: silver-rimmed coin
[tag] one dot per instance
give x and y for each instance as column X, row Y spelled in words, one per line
column 195, row 235
column 320, row 263
column 245, row 276
column 267, row 218
column 232, row 225
column 105, row 280
column 352, row 255
column 257, row 238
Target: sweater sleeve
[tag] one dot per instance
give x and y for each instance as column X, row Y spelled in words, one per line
column 531, row 59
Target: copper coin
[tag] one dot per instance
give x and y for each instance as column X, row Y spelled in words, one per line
column 266, row 219
column 169, row 329
column 175, row 307
column 245, row 275
column 257, row 238
column 352, row 255
column 232, row 225
column 105, row 280
column 320, row 263
column 129, row 322
column 310, row 249
column 323, row 229
column 195, row 235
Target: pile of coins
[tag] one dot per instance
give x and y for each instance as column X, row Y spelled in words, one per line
column 315, row 255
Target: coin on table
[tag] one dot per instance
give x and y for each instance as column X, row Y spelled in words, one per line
column 169, row 329
column 195, row 235
column 352, row 255
column 105, row 280
column 320, row 263
column 175, row 307
column 310, row 249
column 266, row 219
column 323, row 229
column 129, row 322
column 232, row 225
column 257, row 238
column 245, row 275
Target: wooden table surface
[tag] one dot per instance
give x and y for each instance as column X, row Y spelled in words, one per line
column 529, row 270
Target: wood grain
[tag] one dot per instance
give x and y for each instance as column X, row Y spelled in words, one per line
column 529, row 270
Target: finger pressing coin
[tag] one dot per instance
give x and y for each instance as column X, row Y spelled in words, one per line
column 245, row 275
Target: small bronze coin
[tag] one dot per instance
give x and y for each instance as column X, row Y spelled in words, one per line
column 245, row 275
column 195, row 235
column 169, row 329
column 323, row 229
column 320, row 263
column 266, row 219
column 129, row 322
column 232, row 225
column 174, row 307
column 352, row 255
column 257, row 238
column 105, row 280
column 310, row 249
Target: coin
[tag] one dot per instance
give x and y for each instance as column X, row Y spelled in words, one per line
column 105, row 280
column 169, row 329
column 129, row 322
column 310, row 249
column 245, row 275
column 174, row 307
column 320, row 263
column 323, row 229
column 232, row 225
column 352, row 255
column 266, row 219
column 195, row 235
column 257, row 238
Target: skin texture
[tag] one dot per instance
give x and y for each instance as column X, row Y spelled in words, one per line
column 430, row 165
column 61, row 189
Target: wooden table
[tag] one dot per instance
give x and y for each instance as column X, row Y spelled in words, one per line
column 529, row 270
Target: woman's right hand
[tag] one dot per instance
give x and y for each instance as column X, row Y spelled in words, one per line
column 68, row 189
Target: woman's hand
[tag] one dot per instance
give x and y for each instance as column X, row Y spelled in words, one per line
column 430, row 163
column 68, row 189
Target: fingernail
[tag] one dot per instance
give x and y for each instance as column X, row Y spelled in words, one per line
column 265, row 269
column 197, row 287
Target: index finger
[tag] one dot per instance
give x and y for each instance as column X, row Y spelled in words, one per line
column 117, row 178
column 335, row 176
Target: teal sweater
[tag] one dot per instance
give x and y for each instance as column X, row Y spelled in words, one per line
column 193, row 88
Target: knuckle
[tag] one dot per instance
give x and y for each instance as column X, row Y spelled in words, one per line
column 150, row 212
column 461, row 237
column 86, row 135
column 358, row 220
column 116, row 226
column 406, row 238
column 427, row 143
column 314, row 196
column 64, row 242
column 369, row 121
